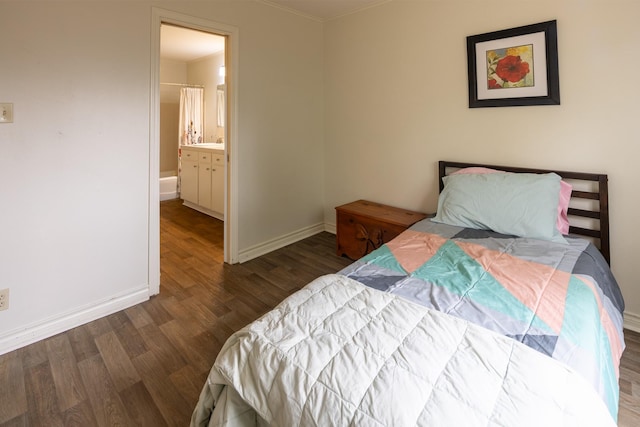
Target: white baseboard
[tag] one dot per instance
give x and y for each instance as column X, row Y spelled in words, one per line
column 30, row 334
column 202, row 209
column 632, row 322
column 13, row 340
column 168, row 196
column 330, row 228
column 279, row 242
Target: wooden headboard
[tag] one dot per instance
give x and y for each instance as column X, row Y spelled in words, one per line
column 596, row 191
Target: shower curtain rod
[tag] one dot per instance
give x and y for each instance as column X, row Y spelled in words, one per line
column 182, row 84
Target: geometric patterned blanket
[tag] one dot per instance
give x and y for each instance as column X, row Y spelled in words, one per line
column 560, row 299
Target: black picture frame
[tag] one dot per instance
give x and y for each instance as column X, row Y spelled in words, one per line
column 545, row 89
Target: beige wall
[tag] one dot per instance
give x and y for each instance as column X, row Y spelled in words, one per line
column 397, row 102
column 204, row 72
column 169, row 130
column 385, row 101
column 75, row 162
column 171, row 71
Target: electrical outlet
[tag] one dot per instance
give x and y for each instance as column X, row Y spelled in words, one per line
column 4, row 299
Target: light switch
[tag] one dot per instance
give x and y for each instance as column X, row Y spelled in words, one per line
column 6, row 113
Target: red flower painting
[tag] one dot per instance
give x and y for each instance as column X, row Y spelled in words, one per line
column 510, row 67
column 493, row 84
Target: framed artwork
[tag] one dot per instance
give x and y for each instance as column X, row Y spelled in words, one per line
column 514, row 67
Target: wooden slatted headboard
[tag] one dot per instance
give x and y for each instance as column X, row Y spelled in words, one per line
column 599, row 215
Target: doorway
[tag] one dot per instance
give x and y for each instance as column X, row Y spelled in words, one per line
column 211, row 71
column 192, row 115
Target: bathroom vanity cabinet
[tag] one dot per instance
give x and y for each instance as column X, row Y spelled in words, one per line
column 202, row 179
column 189, row 176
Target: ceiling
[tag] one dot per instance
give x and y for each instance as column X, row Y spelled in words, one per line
column 182, row 44
column 324, row 9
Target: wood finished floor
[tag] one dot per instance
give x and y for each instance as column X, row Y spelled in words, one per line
column 145, row 366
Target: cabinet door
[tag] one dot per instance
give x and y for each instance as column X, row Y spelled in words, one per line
column 189, row 181
column 217, row 188
column 204, row 185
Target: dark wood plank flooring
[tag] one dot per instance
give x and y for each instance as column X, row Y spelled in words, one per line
column 145, row 366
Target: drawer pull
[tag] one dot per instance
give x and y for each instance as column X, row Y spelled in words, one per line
column 372, row 238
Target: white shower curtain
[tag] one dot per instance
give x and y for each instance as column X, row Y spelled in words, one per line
column 191, row 119
column 190, row 127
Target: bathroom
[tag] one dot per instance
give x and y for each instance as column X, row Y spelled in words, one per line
column 189, row 59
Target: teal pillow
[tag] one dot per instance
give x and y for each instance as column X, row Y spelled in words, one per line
column 522, row 204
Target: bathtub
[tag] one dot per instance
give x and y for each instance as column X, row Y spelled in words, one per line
column 168, row 188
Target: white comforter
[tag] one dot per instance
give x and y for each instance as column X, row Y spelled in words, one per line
column 338, row 353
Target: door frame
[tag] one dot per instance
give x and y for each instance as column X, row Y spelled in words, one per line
column 162, row 16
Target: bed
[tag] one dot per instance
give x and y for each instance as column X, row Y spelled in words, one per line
column 499, row 310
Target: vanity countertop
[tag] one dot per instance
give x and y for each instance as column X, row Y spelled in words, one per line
column 216, row 146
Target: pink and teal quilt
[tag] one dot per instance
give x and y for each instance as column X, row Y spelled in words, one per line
column 560, row 299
